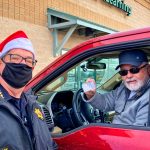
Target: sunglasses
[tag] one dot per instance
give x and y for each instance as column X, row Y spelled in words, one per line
column 133, row 70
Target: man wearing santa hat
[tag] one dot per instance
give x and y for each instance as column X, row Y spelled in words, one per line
column 21, row 128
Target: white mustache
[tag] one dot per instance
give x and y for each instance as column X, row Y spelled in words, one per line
column 129, row 80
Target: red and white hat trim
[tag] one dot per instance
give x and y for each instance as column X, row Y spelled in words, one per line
column 16, row 40
column 22, row 43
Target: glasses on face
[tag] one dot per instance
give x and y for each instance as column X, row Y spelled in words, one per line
column 133, row 70
column 15, row 58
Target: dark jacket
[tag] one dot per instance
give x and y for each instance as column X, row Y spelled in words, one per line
column 13, row 133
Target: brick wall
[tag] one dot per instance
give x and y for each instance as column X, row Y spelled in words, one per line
column 34, row 11
column 107, row 15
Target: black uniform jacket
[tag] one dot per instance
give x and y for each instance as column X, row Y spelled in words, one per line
column 14, row 135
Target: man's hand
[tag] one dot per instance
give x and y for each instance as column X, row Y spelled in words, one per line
column 89, row 88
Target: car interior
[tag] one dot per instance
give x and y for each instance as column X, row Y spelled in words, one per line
column 61, row 99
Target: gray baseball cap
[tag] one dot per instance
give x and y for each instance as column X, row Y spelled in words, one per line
column 132, row 57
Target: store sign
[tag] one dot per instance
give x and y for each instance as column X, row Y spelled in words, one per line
column 121, row 5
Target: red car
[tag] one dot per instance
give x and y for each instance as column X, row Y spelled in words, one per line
column 74, row 124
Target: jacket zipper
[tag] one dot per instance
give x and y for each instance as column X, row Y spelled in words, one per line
column 30, row 141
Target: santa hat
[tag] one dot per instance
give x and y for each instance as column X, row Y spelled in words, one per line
column 16, row 40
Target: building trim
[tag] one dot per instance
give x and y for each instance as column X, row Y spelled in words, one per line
column 59, row 20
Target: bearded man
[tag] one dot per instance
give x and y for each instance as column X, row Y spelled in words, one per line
column 130, row 100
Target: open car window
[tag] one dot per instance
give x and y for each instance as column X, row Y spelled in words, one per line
column 100, row 69
column 58, row 95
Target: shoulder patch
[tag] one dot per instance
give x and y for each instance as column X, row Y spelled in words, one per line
column 39, row 114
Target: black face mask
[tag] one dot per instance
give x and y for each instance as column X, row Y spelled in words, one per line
column 17, row 75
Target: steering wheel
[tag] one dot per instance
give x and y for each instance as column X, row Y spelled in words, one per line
column 84, row 113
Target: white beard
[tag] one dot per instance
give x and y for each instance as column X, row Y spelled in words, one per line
column 136, row 86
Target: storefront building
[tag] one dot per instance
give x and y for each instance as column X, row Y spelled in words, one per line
column 55, row 26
